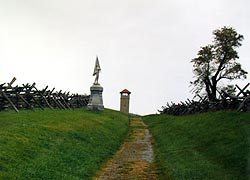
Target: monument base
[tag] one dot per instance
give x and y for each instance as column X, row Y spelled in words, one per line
column 95, row 101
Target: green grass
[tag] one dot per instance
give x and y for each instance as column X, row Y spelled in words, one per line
column 58, row 144
column 212, row 146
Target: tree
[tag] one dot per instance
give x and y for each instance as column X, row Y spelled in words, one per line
column 217, row 61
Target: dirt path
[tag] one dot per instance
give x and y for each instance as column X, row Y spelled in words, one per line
column 134, row 160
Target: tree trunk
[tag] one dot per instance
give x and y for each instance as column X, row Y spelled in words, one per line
column 213, row 89
column 208, row 88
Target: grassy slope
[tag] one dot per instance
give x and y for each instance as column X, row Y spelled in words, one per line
column 56, row 144
column 204, row 146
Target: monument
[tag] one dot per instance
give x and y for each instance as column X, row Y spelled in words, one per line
column 124, row 103
column 95, row 101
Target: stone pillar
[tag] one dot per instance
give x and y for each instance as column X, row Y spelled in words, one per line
column 124, row 102
column 95, row 101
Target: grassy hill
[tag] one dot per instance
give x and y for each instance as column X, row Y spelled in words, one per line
column 58, row 144
column 204, row 146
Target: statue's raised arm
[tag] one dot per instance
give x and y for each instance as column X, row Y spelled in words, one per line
column 96, row 70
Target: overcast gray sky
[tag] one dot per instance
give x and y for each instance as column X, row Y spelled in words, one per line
column 143, row 45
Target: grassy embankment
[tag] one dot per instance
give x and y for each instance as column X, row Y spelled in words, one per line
column 204, row 146
column 58, row 144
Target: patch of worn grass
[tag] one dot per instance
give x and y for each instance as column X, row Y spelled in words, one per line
column 58, row 144
column 204, row 146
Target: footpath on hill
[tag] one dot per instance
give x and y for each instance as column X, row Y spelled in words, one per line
column 134, row 159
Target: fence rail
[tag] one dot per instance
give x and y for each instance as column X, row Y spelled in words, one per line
column 28, row 96
column 240, row 102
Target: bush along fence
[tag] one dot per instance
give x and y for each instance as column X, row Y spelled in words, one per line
column 240, row 101
column 28, row 96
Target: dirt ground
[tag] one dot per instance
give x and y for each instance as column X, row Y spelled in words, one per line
column 134, row 160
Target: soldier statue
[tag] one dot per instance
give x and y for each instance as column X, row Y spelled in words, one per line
column 96, row 71
column 95, row 100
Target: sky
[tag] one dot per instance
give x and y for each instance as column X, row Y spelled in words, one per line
column 144, row 46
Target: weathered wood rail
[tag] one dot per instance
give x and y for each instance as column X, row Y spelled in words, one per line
column 28, row 96
column 240, row 102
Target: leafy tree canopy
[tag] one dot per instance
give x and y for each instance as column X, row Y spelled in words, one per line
column 217, row 61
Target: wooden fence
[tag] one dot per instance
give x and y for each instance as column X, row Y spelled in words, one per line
column 240, row 101
column 28, row 96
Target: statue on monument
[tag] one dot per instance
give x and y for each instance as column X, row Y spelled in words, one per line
column 95, row 100
column 96, row 70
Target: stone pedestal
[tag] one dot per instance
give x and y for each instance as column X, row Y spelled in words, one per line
column 95, row 101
